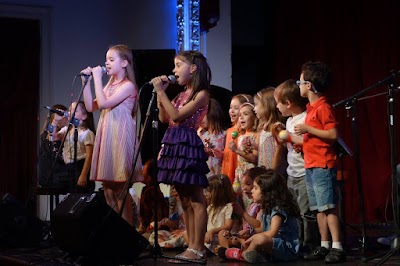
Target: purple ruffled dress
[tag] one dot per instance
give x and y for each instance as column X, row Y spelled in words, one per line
column 182, row 159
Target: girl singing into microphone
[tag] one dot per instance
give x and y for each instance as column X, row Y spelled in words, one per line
column 182, row 159
column 116, row 143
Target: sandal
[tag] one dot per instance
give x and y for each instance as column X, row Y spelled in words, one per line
column 201, row 255
column 182, row 254
column 182, row 259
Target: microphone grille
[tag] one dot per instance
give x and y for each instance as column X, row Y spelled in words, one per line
column 104, row 70
column 172, row 79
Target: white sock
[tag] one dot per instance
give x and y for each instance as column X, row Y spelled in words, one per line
column 325, row 244
column 337, row 245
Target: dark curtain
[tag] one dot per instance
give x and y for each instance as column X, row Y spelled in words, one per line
column 361, row 42
column 19, row 72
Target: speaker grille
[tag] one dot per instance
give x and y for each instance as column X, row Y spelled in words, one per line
column 84, row 225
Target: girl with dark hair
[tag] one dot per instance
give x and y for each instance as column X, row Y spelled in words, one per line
column 183, row 161
column 276, row 238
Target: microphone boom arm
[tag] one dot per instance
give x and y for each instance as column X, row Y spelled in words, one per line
column 354, row 97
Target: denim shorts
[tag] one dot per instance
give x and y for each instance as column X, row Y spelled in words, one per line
column 321, row 188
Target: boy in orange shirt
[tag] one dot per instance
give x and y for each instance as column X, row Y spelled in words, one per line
column 320, row 133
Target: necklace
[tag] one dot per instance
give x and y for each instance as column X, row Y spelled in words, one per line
column 117, row 83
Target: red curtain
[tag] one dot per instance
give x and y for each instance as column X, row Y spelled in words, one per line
column 19, row 101
column 361, row 42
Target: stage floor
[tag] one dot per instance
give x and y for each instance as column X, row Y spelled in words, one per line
column 47, row 253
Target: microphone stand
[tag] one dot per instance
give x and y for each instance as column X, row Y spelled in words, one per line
column 49, row 180
column 395, row 247
column 156, row 252
column 47, row 174
column 350, row 105
column 73, row 122
column 342, row 150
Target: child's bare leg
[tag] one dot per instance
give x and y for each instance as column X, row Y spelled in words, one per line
column 110, row 196
column 200, row 218
column 333, row 224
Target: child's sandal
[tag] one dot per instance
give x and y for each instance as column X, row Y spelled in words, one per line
column 183, row 257
column 201, row 255
column 182, row 254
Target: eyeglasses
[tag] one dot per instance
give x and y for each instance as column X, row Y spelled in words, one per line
column 301, row 82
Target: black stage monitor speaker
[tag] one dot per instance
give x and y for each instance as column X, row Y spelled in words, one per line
column 18, row 227
column 85, row 226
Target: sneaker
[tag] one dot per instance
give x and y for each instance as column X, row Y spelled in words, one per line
column 234, row 254
column 335, row 256
column 254, row 257
column 319, row 253
column 387, row 241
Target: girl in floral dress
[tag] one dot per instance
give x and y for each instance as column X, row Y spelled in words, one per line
column 247, row 148
column 270, row 154
column 213, row 137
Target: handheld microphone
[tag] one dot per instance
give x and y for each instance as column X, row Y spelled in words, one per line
column 103, row 70
column 171, row 80
column 60, row 113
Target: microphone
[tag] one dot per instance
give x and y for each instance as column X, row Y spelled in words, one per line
column 103, row 70
column 60, row 113
column 171, row 80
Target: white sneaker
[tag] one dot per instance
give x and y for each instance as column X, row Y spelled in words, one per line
column 387, row 241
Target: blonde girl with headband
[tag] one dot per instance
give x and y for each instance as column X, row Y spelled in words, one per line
column 229, row 158
column 116, row 142
column 247, row 146
column 270, row 154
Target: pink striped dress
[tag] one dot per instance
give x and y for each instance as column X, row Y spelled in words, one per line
column 116, row 143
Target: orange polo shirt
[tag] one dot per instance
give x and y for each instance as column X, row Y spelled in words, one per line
column 319, row 152
column 229, row 159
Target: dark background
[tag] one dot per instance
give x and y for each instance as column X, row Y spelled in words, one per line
column 270, row 42
column 360, row 41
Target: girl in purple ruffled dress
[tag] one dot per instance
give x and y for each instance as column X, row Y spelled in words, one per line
column 182, row 160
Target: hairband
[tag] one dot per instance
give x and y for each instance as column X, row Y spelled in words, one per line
column 247, row 99
column 243, row 104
